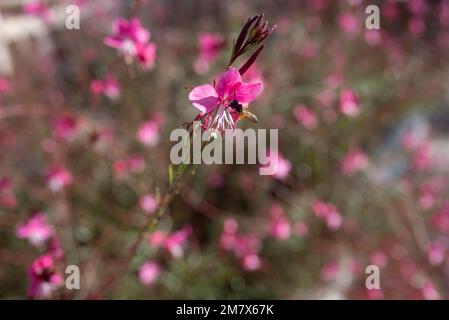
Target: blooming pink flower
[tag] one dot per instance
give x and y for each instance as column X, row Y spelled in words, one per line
column 36, row 229
column 148, row 203
column 43, row 277
column 149, row 272
column 108, row 86
column 229, row 87
column 349, row 103
column 329, row 213
column 65, row 127
column 148, row 133
column 209, row 46
column 58, row 178
column 284, row 166
column 353, row 162
column 379, row 259
column 306, row 117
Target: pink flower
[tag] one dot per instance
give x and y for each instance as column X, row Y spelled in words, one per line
column 65, row 127
column 148, row 133
column 440, row 220
column 7, row 197
column 148, row 203
column 416, row 26
column 251, row 262
column 349, row 103
column 58, row 178
column 436, row 253
column 348, row 23
column 38, row 9
column 330, row 271
column 229, row 87
column 379, row 259
column 149, row 272
column 279, row 227
column 329, row 213
column 429, row 291
column 283, row 166
column 146, row 55
column 43, row 277
column 301, row 229
column 209, row 46
column 421, row 158
column 306, row 117
column 174, row 243
column 4, row 86
column 353, row 162
column 132, row 40
column 108, row 86
column 36, row 229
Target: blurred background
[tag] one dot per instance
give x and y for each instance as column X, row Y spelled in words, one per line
column 363, row 152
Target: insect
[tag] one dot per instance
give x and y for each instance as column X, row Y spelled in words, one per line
column 242, row 111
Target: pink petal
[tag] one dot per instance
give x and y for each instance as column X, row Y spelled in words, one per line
column 247, row 92
column 113, row 42
column 227, row 82
column 204, row 98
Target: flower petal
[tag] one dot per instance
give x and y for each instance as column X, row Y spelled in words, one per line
column 247, row 92
column 204, row 98
column 227, row 82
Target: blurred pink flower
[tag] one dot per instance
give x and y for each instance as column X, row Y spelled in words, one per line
column 348, row 23
column 329, row 213
column 65, row 127
column 349, row 103
column 436, row 253
column 379, row 259
column 174, row 243
column 148, row 133
column 330, row 270
column 58, row 178
column 149, row 272
column 146, row 55
column 36, row 230
column 306, row 117
column 429, row 291
column 421, row 158
column 148, row 203
column 38, row 9
column 279, row 226
column 354, row 161
column 301, row 229
column 282, row 165
column 109, row 86
column 416, row 26
column 251, row 262
column 4, row 86
column 132, row 40
column 43, row 277
column 7, row 197
column 440, row 220
column 209, row 47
